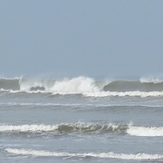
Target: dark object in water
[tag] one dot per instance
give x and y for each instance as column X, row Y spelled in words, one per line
column 37, row 88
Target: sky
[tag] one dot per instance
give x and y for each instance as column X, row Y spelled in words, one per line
column 68, row 38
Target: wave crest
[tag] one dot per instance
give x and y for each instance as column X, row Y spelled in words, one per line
column 66, row 128
column 75, row 85
column 151, row 80
column 84, row 128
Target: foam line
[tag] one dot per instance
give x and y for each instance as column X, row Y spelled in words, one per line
column 41, row 153
column 28, row 128
column 123, row 94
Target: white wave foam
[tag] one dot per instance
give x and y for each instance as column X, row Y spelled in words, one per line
column 49, row 104
column 79, row 85
column 123, row 94
column 94, row 94
column 26, row 85
column 76, row 85
column 75, row 127
column 81, row 126
column 150, row 80
column 67, row 86
column 139, row 156
column 145, row 131
column 28, row 128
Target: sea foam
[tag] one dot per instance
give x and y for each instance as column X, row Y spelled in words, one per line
column 123, row 94
column 27, row 128
column 151, row 79
column 79, row 127
column 42, row 153
column 145, row 131
column 85, row 128
column 74, row 85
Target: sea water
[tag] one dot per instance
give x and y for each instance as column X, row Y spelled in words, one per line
column 81, row 120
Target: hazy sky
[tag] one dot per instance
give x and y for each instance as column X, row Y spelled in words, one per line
column 81, row 37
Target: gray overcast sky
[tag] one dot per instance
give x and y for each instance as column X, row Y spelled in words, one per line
column 81, row 37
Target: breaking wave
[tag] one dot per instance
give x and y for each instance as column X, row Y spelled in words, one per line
column 75, row 85
column 42, row 153
column 84, row 128
column 145, row 131
column 85, row 86
column 151, row 80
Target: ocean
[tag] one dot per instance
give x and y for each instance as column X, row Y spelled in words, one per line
column 81, row 120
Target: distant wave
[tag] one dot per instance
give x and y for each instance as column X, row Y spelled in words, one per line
column 151, row 79
column 85, row 86
column 9, row 83
column 84, row 128
column 74, row 85
column 41, row 153
column 125, row 86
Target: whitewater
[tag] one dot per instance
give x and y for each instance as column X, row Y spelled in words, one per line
column 85, row 86
column 81, row 119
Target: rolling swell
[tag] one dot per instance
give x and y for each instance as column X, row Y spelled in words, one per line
column 124, row 86
column 9, row 84
column 82, row 85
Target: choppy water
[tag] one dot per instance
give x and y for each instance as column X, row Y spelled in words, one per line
column 81, row 120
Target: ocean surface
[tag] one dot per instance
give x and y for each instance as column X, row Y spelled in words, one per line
column 81, row 120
